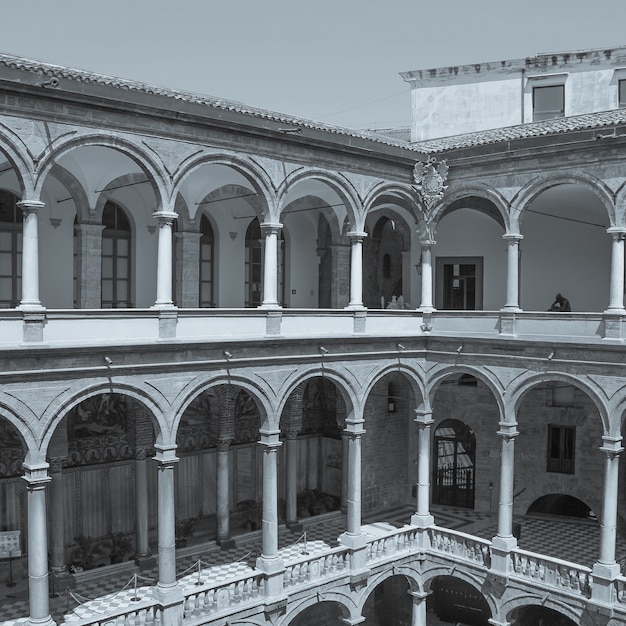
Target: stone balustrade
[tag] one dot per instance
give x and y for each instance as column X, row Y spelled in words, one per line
column 311, row 568
column 391, row 544
column 460, row 546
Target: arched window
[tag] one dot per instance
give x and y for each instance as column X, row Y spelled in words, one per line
column 254, row 265
column 116, row 239
column 207, row 255
column 10, row 250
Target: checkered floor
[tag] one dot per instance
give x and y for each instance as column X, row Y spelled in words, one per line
column 571, row 540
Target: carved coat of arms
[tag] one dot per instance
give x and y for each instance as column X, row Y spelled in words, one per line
column 430, row 178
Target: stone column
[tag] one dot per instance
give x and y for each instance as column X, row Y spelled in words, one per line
column 167, row 589
column 223, row 493
column 512, row 271
column 57, row 519
column 418, row 614
column 164, row 259
column 270, row 266
column 187, row 269
column 423, row 517
column 30, row 254
column 616, row 296
column 504, row 541
column 37, row 478
column 142, row 552
column 291, row 452
column 356, row 270
column 89, row 265
column 427, row 276
column 269, row 561
column 340, row 293
column 344, row 471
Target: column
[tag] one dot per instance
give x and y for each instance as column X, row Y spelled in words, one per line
column 344, row 471
column 164, row 259
column 427, row 276
column 418, row 614
column 30, row 254
column 270, row 266
column 356, row 270
column 89, row 265
column 512, row 271
column 616, row 296
column 37, row 478
column 223, row 492
column 57, row 519
column 141, row 506
column 606, row 569
column 422, row 517
column 291, row 452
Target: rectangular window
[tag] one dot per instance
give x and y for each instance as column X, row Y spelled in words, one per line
column 548, row 102
column 459, row 282
column 561, row 449
column 621, row 93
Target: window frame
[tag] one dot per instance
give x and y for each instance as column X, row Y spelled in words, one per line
column 565, row 461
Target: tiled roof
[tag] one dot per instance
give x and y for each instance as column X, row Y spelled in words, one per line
column 399, row 134
column 588, row 121
column 49, row 70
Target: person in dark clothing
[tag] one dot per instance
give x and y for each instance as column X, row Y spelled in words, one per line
column 560, row 304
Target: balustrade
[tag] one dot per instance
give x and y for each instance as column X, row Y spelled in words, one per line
column 402, row 540
column 460, row 546
column 316, row 567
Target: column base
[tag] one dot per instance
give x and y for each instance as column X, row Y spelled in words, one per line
column 603, row 588
column 294, row 527
column 501, row 548
column 422, row 521
column 227, row 543
column 613, row 321
column 145, row 561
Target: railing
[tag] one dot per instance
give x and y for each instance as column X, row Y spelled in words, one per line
column 396, row 542
column 308, row 569
column 460, row 546
column 553, row 572
column 620, row 590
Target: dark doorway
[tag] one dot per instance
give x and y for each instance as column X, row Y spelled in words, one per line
column 454, row 464
column 538, row 616
column 454, row 600
column 560, row 504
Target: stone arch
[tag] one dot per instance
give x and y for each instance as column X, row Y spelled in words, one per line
column 380, row 579
column 344, row 600
column 255, row 175
column 76, row 190
column 517, row 390
column 76, row 394
column 29, row 439
column 616, row 426
column 577, row 615
column 538, row 185
column 225, row 192
column 412, row 375
column 17, row 154
column 156, row 175
column 106, row 196
column 338, row 183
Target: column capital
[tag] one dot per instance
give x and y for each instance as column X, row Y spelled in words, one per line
column 223, row 443
column 427, row 243
column 424, row 417
column 508, row 430
column 36, row 475
column 165, row 217
column 356, row 235
column 512, row 237
column 270, row 438
column 30, row 206
column 165, row 455
column 354, row 427
column 271, row 228
column 611, row 445
column 618, row 232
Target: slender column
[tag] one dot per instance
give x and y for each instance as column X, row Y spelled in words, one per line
column 270, row 442
column 166, row 461
column 291, row 451
column 612, row 449
column 141, row 504
column 344, row 471
column 424, row 421
column 427, row 276
column 354, row 431
column 270, row 266
column 30, row 254
column 616, row 296
column 507, row 432
column 418, row 614
column 356, row 270
column 164, row 259
column 223, row 491
column 37, row 478
column 57, row 521
column 512, row 271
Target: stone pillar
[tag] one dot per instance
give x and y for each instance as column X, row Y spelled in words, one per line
column 344, row 471
column 423, row 517
column 270, row 266
column 512, row 271
column 37, row 478
column 340, row 293
column 142, row 552
column 606, row 569
column 291, row 452
column 187, row 269
column 418, row 614
column 356, row 270
column 57, row 519
column 269, row 561
column 427, row 276
column 504, row 541
column 89, row 265
column 167, row 589
column 30, row 254
column 223, row 493
column 164, row 259
column 616, row 296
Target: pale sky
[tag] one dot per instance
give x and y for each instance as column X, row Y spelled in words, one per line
column 337, row 61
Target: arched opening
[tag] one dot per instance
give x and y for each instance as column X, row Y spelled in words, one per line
column 325, row 612
column 10, row 250
column 454, row 600
column 116, row 258
column 562, row 505
column 389, row 604
column 454, row 466
column 534, row 615
column 207, row 263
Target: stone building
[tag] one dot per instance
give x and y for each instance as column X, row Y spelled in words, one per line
column 196, row 332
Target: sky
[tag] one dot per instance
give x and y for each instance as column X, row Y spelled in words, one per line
column 335, row 61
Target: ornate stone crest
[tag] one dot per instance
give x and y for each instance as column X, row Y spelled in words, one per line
column 430, row 178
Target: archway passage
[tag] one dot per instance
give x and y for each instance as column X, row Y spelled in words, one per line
column 563, row 505
column 454, row 600
column 454, row 464
column 389, row 604
column 538, row 616
column 329, row 613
